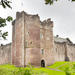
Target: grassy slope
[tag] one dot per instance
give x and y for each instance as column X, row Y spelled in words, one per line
column 57, row 64
column 12, row 70
column 64, row 66
column 48, row 71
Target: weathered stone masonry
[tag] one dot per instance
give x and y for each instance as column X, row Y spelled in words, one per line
column 33, row 43
column 27, row 41
column 5, row 54
column 64, row 51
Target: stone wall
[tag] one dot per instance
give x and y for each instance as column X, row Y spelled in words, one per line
column 31, row 36
column 18, row 40
column 5, row 54
column 71, row 52
column 64, row 52
column 46, row 42
column 26, row 42
column 59, row 50
column 32, row 39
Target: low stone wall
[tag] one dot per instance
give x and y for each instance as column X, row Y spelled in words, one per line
column 5, row 54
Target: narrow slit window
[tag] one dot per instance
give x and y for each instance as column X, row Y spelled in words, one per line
column 41, row 35
column 42, row 51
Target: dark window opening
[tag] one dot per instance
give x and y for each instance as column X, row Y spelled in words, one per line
column 67, row 58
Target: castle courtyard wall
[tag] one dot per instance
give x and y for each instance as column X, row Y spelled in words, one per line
column 63, row 50
column 71, row 52
column 5, row 54
column 59, row 51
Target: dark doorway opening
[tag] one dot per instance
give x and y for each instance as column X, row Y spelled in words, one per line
column 67, row 58
column 42, row 63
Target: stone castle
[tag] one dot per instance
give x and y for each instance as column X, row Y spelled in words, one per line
column 33, row 43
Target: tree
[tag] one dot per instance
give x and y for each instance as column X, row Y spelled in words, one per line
column 3, row 21
column 5, row 3
column 52, row 1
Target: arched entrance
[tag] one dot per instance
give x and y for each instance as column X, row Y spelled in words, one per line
column 42, row 63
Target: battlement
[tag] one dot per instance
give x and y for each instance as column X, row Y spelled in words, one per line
column 23, row 14
column 47, row 22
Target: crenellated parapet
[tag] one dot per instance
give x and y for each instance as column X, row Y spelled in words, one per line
column 47, row 22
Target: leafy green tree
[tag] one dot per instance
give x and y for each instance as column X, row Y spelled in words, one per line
column 3, row 21
column 5, row 3
column 52, row 1
column 70, row 70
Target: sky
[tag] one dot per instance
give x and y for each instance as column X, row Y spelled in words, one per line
column 62, row 13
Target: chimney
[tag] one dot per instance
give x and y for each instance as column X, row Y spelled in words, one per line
column 57, row 36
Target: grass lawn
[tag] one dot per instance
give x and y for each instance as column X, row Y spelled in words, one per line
column 57, row 64
column 12, row 70
column 44, row 71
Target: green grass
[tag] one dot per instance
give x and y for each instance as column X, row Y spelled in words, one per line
column 57, row 64
column 68, row 65
column 45, row 71
column 63, row 66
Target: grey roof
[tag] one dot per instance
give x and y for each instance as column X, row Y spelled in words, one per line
column 62, row 40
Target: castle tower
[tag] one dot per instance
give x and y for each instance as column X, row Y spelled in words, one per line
column 46, row 43
column 27, row 45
